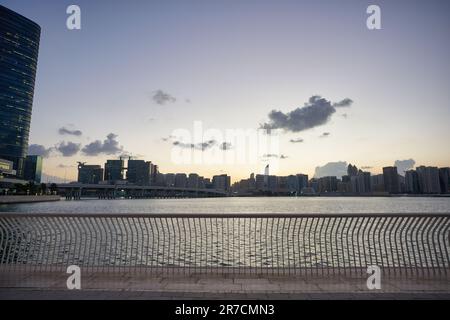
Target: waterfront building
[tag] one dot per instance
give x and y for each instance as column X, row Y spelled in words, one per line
column 169, row 179
column 411, row 182
column 114, row 170
column 90, row 174
column 33, row 168
column 391, row 182
column 259, row 182
column 139, row 172
column 292, row 184
column 302, row 181
column 221, row 182
column 444, row 179
column 19, row 48
column 7, row 168
column 160, row 180
column 361, row 182
column 192, row 181
column 327, row 184
column 180, row 180
column 352, row 170
column 428, row 180
column 377, row 183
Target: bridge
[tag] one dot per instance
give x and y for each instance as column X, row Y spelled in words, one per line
column 73, row 191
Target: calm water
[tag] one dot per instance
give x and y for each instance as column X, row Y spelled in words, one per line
column 271, row 242
column 242, row 205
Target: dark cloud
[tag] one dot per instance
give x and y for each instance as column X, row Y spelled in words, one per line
column 64, row 130
column 64, row 166
column 337, row 169
column 324, row 135
column 343, row 103
column 162, row 98
column 225, row 146
column 109, row 146
column 39, row 150
column 198, row 146
column 272, row 155
column 404, row 165
column 317, row 111
column 68, row 149
column 298, row 140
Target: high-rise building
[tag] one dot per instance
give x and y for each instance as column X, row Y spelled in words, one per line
column 302, row 181
column 90, row 174
column 33, row 168
column 327, row 184
column 260, row 182
column 139, row 172
column 192, row 181
column 391, row 182
column 221, row 182
column 114, row 170
column 377, row 183
column 428, row 179
column 412, row 182
column 19, row 48
column 180, row 180
column 444, row 179
column 361, row 182
column 292, row 184
column 7, row 168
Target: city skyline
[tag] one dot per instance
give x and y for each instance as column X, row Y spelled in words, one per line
column 188, row 63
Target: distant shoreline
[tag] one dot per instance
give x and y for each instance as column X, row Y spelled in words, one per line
column 28, row 199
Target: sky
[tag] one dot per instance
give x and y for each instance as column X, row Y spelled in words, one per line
column 139, row 71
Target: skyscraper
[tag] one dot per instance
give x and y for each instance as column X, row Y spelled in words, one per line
column 33, row 168
column 90, row 174
column 139, row 172
column 19, row 47
column 428, row 179
column 114, row 170
column 391, row 182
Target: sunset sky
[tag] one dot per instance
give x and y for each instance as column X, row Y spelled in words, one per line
column 139, row 70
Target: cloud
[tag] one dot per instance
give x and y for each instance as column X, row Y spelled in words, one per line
column 225, row 146
column 39, row 150
column 162, row 98
column 298, row 140
column 272, row 155
column 317, row 111
column 337, row 169
column 404, row 165
column 68, row 149
column 64, row 130
column 64, row 166
column 198, row 146
column 324, row 135
column 347, row 102
column 366, row 167
column 344, row 115
column 109, row 146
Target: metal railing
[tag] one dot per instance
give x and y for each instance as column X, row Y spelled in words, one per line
column 288, row 244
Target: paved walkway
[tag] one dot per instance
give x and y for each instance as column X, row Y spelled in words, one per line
column 52, row 285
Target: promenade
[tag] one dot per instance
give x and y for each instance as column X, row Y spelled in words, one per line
column 124, row 285
column 28, row 199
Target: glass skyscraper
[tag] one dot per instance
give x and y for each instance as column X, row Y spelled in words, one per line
column 19, row 47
